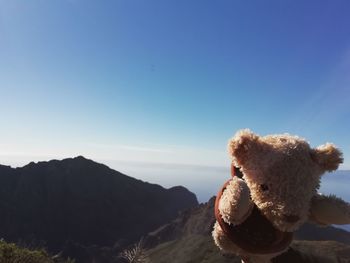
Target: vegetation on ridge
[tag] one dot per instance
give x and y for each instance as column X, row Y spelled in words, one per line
column 11, row 253
column 135, row 254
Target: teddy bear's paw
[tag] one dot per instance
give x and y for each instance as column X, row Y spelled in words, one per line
column 235, row 204
column 227, row 246
column 326, row 210
column 223, row 242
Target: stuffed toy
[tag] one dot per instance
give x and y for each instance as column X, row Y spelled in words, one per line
column 272, row 192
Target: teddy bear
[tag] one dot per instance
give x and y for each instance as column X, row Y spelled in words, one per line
column 272, row 192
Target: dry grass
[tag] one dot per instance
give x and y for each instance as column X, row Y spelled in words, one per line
column 135, row 254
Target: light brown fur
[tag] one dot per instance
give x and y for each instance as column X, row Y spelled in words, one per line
column 291, row 170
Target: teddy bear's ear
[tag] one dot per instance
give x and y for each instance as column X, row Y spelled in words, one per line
column 240, row 146
column 327, row 156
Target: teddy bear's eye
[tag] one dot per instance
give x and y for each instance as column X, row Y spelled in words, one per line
column 264, row 187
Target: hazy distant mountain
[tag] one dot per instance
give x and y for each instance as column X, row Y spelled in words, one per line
column 188, row 239
column 84, row 202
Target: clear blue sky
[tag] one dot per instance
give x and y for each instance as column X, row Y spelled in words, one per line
column 169, row 81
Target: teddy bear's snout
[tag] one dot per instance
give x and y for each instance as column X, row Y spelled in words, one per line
column 291, row 218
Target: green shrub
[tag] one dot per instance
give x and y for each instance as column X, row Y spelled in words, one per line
column 11, row 253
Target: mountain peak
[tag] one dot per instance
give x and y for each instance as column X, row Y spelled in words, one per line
column 81, row 158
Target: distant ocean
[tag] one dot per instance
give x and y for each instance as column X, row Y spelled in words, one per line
column 205, row 181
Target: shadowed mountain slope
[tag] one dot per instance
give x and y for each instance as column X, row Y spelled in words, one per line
column 78, row 200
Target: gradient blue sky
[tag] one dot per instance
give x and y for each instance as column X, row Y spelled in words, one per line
column 169, row 81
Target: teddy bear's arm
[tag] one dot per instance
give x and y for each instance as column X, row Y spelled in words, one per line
column 235, row 204
column 327, row 210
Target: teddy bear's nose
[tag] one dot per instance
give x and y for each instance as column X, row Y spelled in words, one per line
column 291, row 218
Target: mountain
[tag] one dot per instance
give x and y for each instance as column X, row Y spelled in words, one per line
column 79, row 201
column 188, row 239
